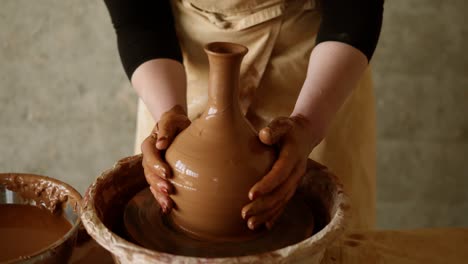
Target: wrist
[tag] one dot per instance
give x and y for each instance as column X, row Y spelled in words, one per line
column 179, row 110
column 314, row 126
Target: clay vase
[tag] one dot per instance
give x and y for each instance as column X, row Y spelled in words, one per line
column 218, row 158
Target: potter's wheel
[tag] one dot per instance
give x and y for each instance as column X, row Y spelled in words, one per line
column 146, row 225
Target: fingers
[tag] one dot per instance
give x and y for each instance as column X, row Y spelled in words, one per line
column 157, row 182
column 255, row 221
column 170, row 124
column 156, row 172
column 261, row 205
column 152, row 159
column 280, row 171
column 275, row 130
column 163, row 200
column 274, row 199
column 271, row 194
column 266, row 209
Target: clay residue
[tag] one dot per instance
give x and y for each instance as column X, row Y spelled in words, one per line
column 47, row 193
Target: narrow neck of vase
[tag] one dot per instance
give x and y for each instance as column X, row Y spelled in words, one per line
column 225, row 61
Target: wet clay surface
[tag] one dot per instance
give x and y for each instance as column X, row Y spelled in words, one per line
column 147, row 226
column 26, row 229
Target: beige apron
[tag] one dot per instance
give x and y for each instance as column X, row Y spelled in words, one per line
column 280, row 36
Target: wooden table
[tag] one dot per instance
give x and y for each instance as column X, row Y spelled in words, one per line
column 429, row 246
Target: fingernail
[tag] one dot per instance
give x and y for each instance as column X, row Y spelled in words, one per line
column 253, row 195
column 164, row 207
column 252, row 225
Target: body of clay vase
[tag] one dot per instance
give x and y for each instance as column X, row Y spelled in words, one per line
column 218, row 158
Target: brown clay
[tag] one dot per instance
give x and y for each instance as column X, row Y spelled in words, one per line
column 26, row 230
column 218, row 158
column 147, row 226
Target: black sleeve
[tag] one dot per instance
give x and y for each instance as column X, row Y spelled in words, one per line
column 355, row 22
column 145, row 31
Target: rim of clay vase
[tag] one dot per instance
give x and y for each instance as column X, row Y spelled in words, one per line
column 57, row 185
column 225, row 49
column 118, row 245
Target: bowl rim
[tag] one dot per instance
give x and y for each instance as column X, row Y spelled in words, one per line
column 115, row 244
column 73, row 230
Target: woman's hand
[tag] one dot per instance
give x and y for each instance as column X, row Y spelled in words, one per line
column 334, row 70
column 296, row 138
column 157, row 171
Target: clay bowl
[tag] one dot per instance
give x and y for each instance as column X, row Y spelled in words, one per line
column 53, row 195
column 106, row 199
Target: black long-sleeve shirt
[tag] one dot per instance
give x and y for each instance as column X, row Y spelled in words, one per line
column 145, row 28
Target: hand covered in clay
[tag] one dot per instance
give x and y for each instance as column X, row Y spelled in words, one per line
column 157, row 171
column 295, row 138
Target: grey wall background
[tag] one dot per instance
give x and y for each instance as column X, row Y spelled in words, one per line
column 68, row 111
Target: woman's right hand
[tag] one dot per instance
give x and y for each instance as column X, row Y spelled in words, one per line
column 157, row 171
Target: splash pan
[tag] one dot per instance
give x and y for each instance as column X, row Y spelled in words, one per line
column 314, row 218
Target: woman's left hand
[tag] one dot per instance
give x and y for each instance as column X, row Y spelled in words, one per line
column 295, row 136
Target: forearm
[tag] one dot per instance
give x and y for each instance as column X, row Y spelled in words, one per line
column 334, row 70
column 150, row 52
column 161, row 84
